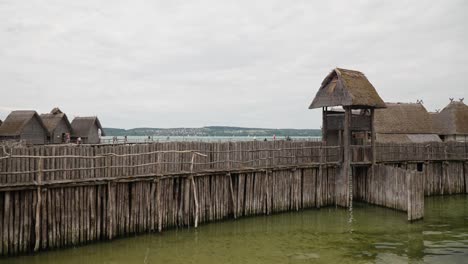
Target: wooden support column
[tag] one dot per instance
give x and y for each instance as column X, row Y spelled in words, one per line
column 374, row 152
column 344, row 195
column 231, row 191
column 373, row 146
column 324, row 124
column 110, row 201
column 318, row 191
column 158, row 191
column 38, row 205
column 194, row 188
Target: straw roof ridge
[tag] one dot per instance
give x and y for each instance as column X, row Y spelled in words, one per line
column 17, row 120
column 403, row 118
column 452, row 120
column 81, row 126
column 343, row 87
column 56, row 110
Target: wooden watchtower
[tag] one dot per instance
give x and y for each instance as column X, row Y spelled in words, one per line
column 350, row 122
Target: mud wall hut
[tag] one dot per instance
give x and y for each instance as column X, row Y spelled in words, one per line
column 404, row 123
column 57, row 125
column 89, row 129
column 452, row 122
column 24, row 125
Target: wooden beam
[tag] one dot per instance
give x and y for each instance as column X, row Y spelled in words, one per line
column 344, row 196
column 373, row 141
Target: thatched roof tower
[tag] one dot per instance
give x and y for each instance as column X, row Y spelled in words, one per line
column 347, row 88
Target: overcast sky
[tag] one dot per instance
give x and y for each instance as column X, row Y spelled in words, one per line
column 239, row 63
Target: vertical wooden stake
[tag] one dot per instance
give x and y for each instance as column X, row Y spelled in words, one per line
column 344, row 194
column 231, row 190
column 38, row 206
column 109, row 210
column 374, row 152
column 158, row 194
column 195, row 198
column 194, row 188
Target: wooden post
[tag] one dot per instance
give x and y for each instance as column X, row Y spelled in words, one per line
column 38, row 205
column 195, row 196
column 345, row 195
column 110, row 210
column 231, row 190
column 373, row 146
column 324, row 124
column 158, row 193
column 374, row 152
column 318, row 191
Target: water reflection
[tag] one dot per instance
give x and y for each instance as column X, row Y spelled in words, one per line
column 376, row 235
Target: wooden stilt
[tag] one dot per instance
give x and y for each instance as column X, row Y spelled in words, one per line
column 38, row 205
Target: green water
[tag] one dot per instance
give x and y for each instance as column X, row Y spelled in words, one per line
column 375, row 235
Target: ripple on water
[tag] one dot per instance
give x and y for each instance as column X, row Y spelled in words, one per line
column 305, row 256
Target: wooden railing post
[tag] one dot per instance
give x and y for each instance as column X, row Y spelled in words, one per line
column 38, row 205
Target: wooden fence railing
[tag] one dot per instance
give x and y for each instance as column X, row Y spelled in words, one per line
column 20, row 167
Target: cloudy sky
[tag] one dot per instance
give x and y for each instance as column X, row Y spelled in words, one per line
column 240, row 63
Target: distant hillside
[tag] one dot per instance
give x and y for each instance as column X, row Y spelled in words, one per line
column 220, row 131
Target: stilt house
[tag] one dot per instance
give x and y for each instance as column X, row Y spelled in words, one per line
column 452, row 122
column 24, row 126
column 57, row 125
column 404, row 123
column 89, row 129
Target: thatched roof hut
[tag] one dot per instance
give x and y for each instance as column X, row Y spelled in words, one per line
column 24, row 125
column 347, row 88
column 87, row 128
column 404, row 123
column 452, row 122
column 57, row 125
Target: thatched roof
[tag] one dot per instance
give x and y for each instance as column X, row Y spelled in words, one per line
column 52, row 120
column 347, row 88
column 452, row 120
column 16, row 121
column 403, row 118
column 82, row 125
column 407, row 138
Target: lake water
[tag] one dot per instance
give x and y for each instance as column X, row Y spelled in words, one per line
column 374, row 235
column 140, row 139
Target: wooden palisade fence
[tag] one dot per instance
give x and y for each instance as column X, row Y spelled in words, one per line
column 58, row 196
